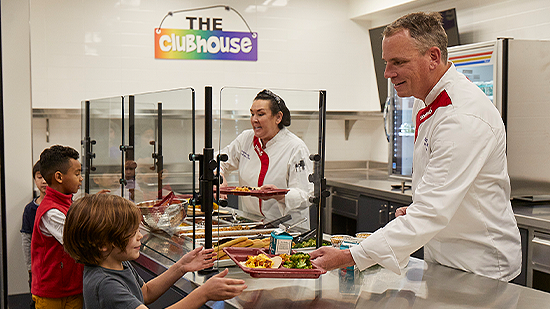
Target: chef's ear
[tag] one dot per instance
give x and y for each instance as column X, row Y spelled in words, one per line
column 279, row 117
column 435, row 57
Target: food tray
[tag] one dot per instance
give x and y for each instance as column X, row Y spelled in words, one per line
column 239, row 254
column 224, row 263
column 256, row 193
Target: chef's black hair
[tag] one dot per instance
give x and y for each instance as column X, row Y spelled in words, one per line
column 276, row 104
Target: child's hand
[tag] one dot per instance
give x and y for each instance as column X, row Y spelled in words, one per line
column 197, row 259
column 220, row 288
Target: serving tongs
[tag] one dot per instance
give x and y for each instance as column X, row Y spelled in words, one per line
column 305, row 236
column 287, row 228
column 272, row 224
column 165, row 201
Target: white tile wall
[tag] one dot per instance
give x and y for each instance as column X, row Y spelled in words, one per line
column 90, row 49
column 106, row 49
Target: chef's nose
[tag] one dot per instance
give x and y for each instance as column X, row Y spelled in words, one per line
column 389, row 72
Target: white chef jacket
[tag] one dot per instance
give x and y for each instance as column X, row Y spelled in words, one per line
column 289, row 168
column 461, row 211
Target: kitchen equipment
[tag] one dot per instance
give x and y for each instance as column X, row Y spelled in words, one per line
column 295, row 224
column 272, row 224
column 162, row 204
column 164, row 217
column 225, row 233
column 305, row 235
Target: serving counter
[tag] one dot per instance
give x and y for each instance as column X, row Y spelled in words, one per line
column 420, row 285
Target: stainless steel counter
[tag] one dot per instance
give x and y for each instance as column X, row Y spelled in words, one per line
column 536, row 215
column 376, row 183
column 421, row 285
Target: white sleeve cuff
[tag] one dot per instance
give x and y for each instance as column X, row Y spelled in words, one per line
column 361, row 258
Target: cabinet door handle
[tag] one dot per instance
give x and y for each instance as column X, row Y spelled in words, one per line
column 383, row 215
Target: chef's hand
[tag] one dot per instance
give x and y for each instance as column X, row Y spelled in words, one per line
column 104, row 191
column 329, row 258
column 401, row 211
column 278, row 197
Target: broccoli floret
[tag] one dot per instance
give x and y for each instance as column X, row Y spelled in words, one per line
column 298, row 260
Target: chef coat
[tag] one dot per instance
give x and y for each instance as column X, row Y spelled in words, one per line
column 461, row 211
column 289, row 168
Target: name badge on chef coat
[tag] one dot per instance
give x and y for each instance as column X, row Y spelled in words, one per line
column 300, row 166
column 245, row 154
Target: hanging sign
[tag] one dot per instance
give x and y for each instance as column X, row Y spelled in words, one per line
column 205, row 45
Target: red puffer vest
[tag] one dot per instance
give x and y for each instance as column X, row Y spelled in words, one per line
column 55, row 274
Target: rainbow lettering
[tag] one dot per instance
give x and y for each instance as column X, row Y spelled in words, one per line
column 205, row 45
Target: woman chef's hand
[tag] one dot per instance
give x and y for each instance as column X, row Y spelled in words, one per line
column 401, row 211
column 278, row 197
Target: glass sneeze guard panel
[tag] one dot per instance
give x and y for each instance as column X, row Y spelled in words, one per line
column 155, row 146
column 163, row 139
column 102, row 132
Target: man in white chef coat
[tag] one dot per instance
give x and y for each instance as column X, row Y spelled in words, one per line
column 461, row 211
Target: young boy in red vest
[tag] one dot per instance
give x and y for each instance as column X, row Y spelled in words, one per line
column 57, row 278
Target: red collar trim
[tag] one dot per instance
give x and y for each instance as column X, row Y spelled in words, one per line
column 427, row 112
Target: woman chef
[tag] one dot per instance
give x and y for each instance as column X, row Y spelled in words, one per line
column 270, row 156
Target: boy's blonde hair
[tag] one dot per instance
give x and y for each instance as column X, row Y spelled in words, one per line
column 96, row 221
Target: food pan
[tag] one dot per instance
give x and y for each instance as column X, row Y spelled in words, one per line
column 239, row 254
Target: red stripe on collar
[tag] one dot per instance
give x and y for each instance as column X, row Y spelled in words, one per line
column 427, row 112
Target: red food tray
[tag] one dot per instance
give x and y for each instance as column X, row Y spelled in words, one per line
column 240, row 254
column 256, row 193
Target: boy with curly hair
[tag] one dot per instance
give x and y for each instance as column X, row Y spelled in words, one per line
column 57, row 278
